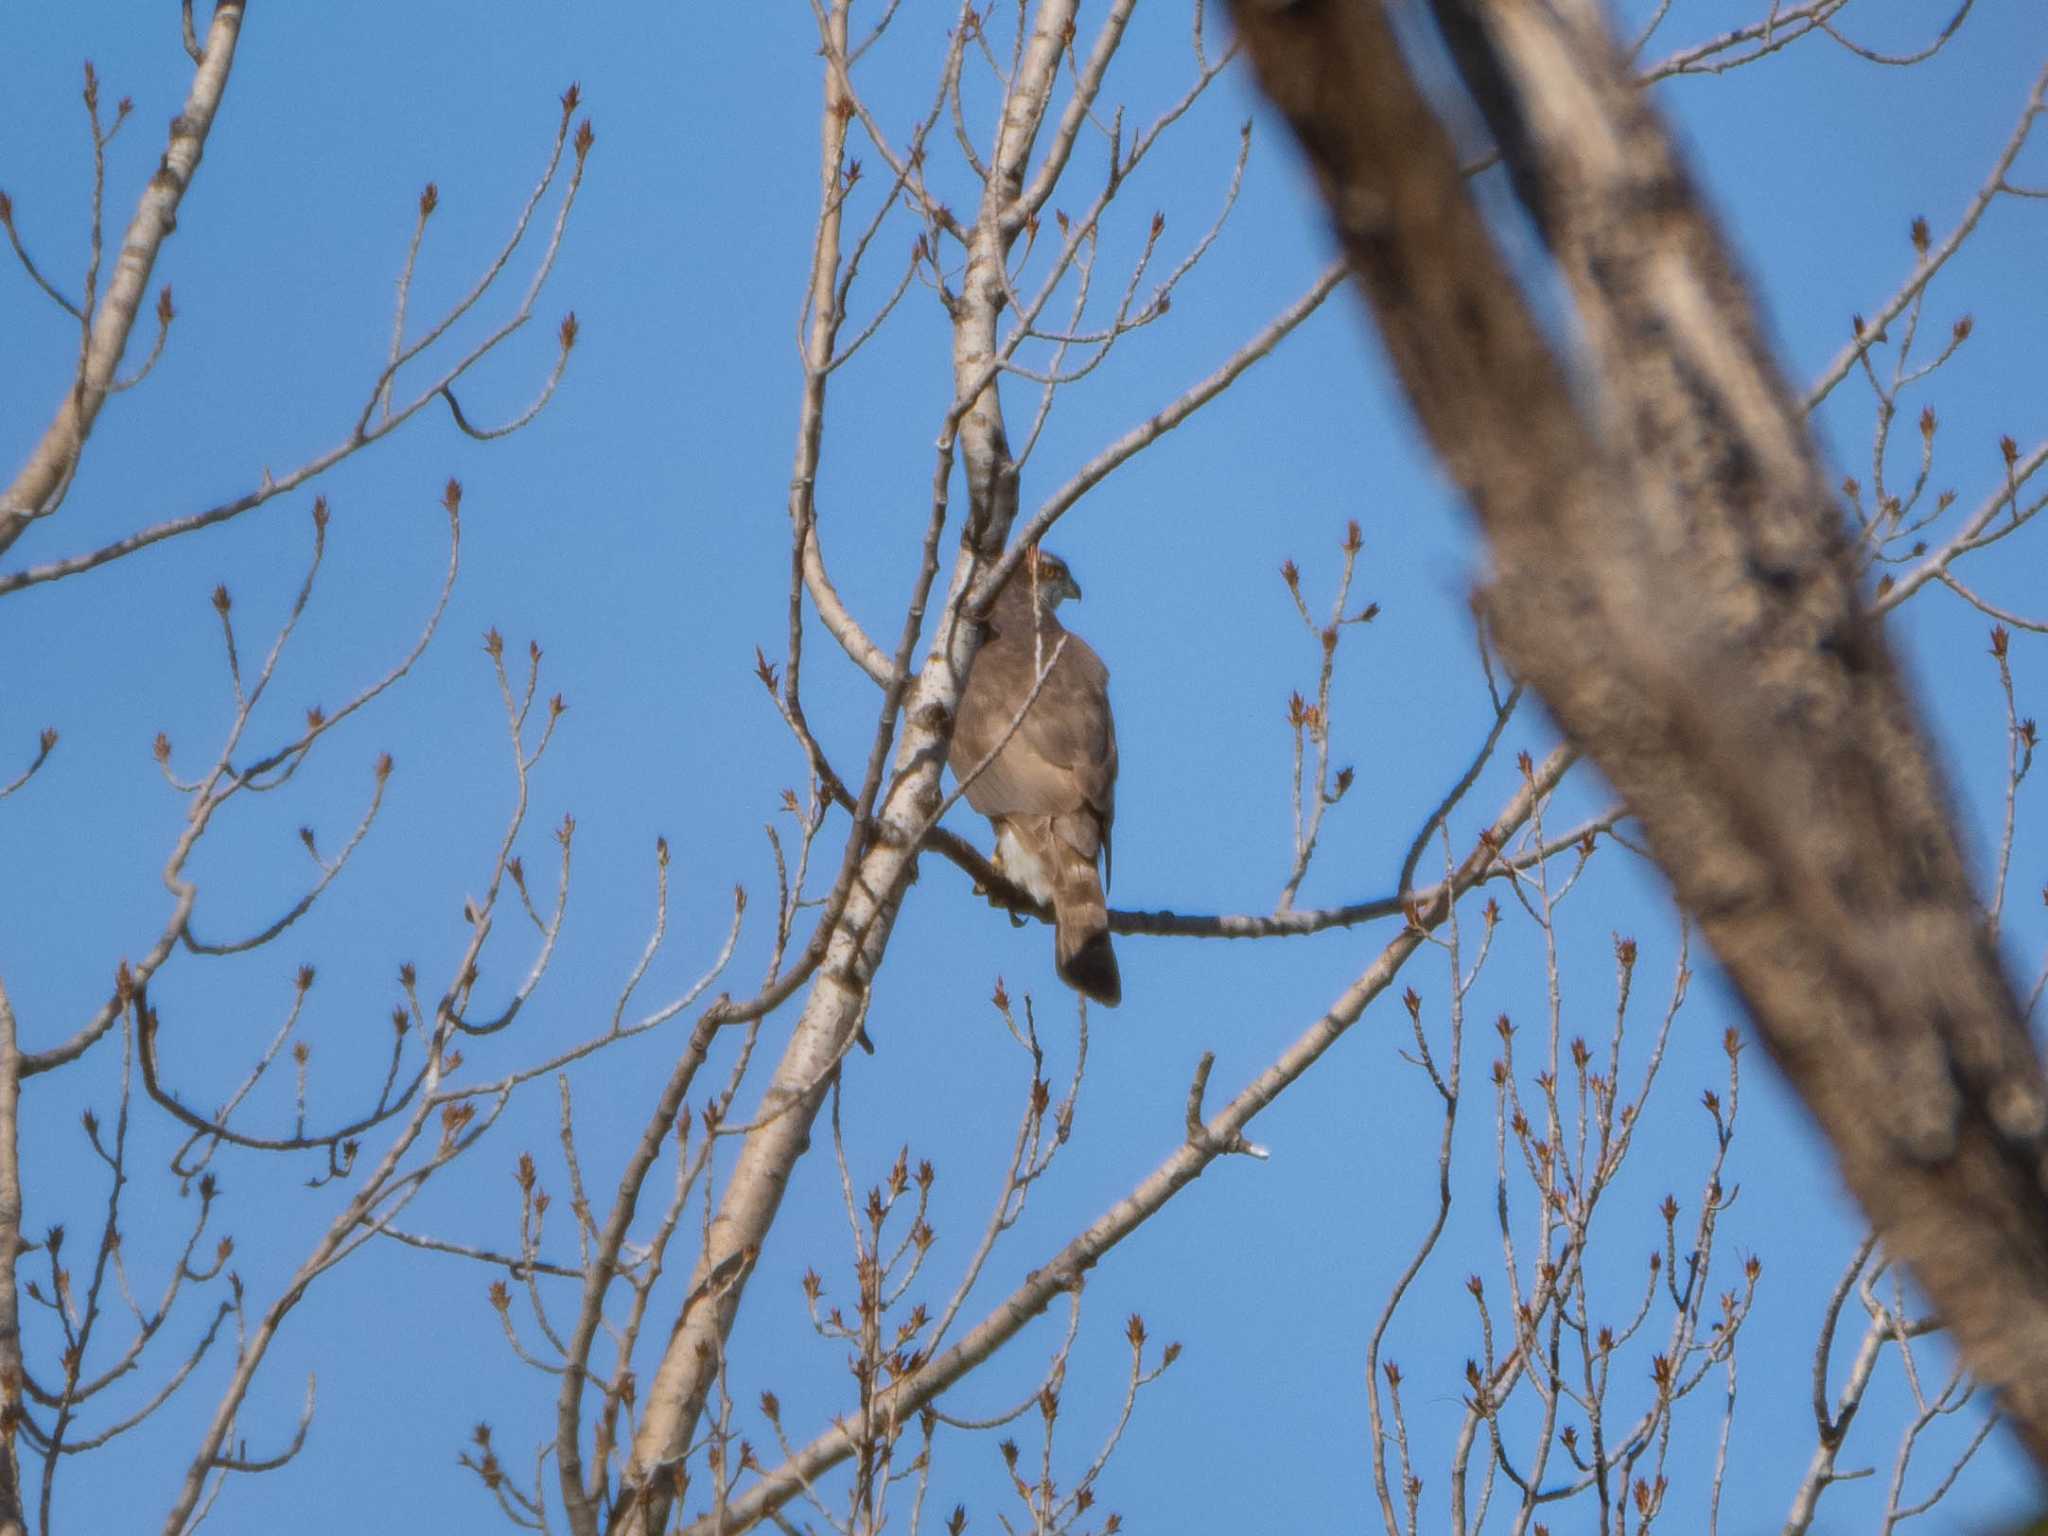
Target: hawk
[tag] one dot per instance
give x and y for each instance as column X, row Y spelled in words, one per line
column 1050, row 789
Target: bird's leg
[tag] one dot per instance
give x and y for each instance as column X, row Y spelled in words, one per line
column 1010, row 912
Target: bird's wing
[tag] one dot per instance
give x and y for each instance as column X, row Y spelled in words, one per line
column 1061, row 760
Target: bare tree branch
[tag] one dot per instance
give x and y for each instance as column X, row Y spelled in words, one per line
column 1684, row 538
column 38, row 489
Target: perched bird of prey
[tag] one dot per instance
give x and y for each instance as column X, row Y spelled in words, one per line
column 1050, row 788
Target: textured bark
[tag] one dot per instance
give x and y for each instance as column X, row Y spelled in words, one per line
column 39, row 488
column 1672, row 576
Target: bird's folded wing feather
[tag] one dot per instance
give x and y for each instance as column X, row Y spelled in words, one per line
column 1061, row 761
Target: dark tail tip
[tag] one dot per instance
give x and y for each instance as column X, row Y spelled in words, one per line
column 1091, row 970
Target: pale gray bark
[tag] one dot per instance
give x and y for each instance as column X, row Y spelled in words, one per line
column 676, row 1396
column 39, row 488
column 1673, row 578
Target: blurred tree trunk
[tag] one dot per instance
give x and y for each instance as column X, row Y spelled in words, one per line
column 1674, row 577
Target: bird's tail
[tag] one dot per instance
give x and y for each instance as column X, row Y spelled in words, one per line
column 1081, row 948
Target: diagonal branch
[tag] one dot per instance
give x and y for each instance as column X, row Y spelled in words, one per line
column 39, row 488
column 1678, row 536
column 1218, row 1136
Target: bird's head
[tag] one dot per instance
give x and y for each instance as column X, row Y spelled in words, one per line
column 1048, row 578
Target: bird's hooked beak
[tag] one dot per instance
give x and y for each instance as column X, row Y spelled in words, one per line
column 1069, row 588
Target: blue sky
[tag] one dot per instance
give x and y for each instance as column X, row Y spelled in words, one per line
column 637, row 531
